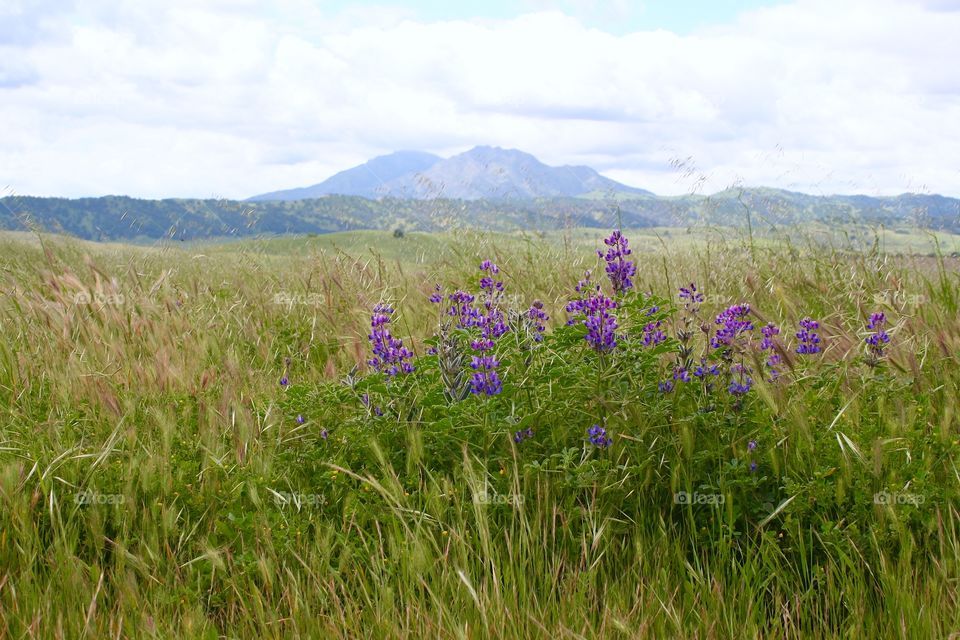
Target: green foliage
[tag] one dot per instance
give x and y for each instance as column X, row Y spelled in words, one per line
column 402, row 506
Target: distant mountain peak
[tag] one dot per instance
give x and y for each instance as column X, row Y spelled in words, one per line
column 483, row 172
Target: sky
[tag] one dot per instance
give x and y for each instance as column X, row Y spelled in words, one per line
column 231, row 98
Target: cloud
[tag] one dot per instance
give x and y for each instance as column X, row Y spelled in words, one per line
column 163, row 99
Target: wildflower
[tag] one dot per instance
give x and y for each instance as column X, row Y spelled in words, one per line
column 300, row 419
column 665, row 387
column 284, row 381
column 681, row 374
column 538, row 317
column 653, row 335
column 585, row 283
column 619, row 270
column 704, row 370
column 691, row 298
column 768, row 332
column 768, row 344
column 389, row 354
column 753, row 467
column 485, row 380
column 520, row 436
column 324, row 434
column 486, row 265
column 740, row 387
column 601, row 324
column 809, row 339
column 877, row 340
column 437, row 296
column 598, row 320
column 598, row 436
column 740, row 381
column 733, row 323
column 751, row 445
column 461, row 308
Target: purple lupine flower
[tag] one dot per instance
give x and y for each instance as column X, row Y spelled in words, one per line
column 485, row 380
column 665, row 387
column 300, row 419
column 538, row 317
column 619, row 270
column 597, row 436
column 653, row 335
column 740, row 381
column 809, row 339
column 751, row 445
column 486, row 265
column 324, row 434
column 600, row 323
column 733, row 323
column 703, row 369
column 768, row 344
column 740, row 387
column 461, row 308
column 877, row 340
column 585, row 283
column 520, row 436
column 389, row 354
column 691, row 297
column 284, row 381
column 652, row 310
column 753, row 467
column 488, row 284
column 768, row 332
column 437, row 296
column 681, row 374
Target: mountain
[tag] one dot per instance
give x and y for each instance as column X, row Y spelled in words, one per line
column 366, row 180
column 480, row 173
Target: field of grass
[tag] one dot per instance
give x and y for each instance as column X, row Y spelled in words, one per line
column 158, row 480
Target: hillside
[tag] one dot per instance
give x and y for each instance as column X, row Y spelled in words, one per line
column 122, row 218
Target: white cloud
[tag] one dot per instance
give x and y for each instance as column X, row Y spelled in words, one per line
column 198, row 99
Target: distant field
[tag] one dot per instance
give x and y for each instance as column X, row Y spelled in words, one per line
column 193, row 442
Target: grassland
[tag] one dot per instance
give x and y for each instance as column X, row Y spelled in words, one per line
column 155, row 480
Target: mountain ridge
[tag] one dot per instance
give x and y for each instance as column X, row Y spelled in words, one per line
column 483, row 172
column 111, row 218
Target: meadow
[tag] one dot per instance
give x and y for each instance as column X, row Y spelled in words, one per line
column 286, row 437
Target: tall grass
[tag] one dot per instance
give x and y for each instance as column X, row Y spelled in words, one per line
column 155, row 483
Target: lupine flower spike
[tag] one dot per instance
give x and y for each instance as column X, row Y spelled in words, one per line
column 597, row 436
column 619, row 270
column 878, row 338
column 389, row 354
column 809, row 339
